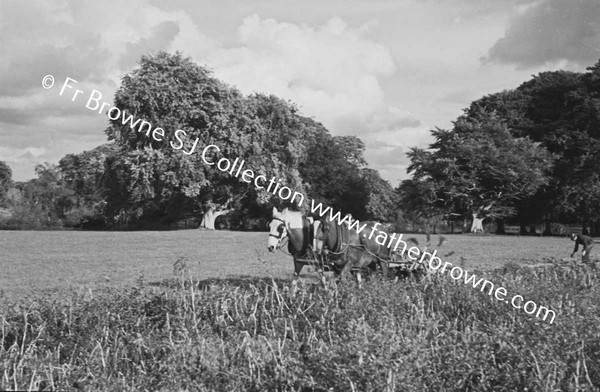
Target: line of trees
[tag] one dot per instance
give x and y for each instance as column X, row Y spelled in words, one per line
column 529, row 156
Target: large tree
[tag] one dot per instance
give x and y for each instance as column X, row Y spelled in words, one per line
column 560, row 110
column 151, row 179
column 479, row 168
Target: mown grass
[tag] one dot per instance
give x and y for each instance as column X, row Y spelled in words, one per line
column 259, row 335
column 33, row 260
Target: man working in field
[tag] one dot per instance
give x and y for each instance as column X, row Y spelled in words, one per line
column 587, row 243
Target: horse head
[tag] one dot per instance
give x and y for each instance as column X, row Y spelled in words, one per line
column 277, row 230
column 291, row 225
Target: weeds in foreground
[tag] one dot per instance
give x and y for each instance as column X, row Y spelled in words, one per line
column 254, row 335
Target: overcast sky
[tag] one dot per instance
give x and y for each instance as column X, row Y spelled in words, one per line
column 387, row 71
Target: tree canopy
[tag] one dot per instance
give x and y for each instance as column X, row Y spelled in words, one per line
column 478, row 168
column 533, row 151
column 163, row 179
column 561, row 111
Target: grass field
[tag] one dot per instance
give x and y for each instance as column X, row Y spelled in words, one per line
column 213, row 311
column 32, row 260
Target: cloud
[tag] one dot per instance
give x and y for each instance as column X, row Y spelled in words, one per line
column 550, row 31
column 93, row 43
column 461, row 96
column 333, row 71
column 41, row 38
column 336, row 71
column 384, row 118
column 389, row 156
column 162, row 36
column 391, row 162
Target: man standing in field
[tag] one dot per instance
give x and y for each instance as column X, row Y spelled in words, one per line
column 587, row 243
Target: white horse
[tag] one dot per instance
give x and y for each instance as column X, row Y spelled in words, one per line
column 298, row 230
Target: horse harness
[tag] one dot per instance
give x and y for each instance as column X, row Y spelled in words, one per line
column 343, row 243
column 280, row 229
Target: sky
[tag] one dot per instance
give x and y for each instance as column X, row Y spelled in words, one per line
column 387, row 71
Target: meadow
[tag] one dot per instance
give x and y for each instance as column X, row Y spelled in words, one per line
column 213, row 311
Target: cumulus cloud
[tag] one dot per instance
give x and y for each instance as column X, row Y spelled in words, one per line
column 162, row 36
column 332, row 71
column 550, row 31
column 93, row 43
column 380, row 119
column 391, row 161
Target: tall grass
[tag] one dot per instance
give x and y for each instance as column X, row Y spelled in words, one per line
column 260, row 335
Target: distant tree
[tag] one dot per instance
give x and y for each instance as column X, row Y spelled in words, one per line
column 479, row 168
column 49, row 191
column 41, row 202
column 5, row 181
column 352, row 149
column 83, row 172
column 331, row 170
column 380, row 199
column 417, row 200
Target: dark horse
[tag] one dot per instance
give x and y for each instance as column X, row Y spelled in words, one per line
column 297, row 229
column 347, row 249
column 356, row 247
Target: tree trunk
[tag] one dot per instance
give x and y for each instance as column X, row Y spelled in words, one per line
column 595, row 229
column 548, row 229
column 500, row 227
column 210, row 216
column 477, row 224
column 584, row 229
column 523, row 229
column 532, row 229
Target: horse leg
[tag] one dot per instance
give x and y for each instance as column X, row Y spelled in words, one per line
column 359, row 279
column 297, row 269
column 385, row 269
column 351, row 262
column 322, row 275
column 345, row 269
column 321, row 269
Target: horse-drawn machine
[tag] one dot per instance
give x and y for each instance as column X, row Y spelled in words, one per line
column 329, row 246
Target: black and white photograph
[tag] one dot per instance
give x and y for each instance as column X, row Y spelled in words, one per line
column 302, row 196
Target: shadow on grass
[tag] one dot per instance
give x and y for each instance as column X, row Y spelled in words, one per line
column 238, row 281
column 244, row 282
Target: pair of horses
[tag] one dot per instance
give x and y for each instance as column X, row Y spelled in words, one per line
column 326, row 243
